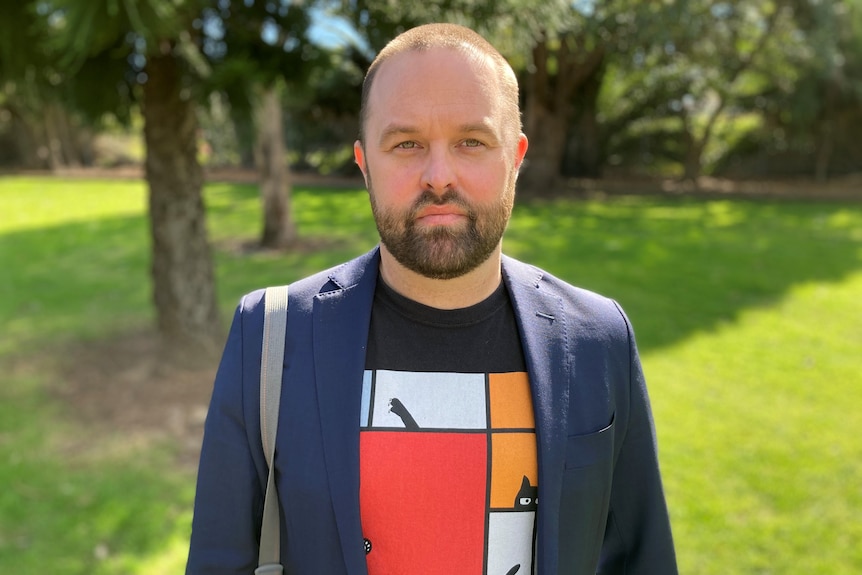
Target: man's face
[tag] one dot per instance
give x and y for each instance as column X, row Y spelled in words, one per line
column 439, row 167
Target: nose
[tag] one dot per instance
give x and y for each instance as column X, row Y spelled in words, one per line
column 438, row 174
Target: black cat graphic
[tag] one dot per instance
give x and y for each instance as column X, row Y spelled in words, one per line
column 396, row 407
column 527, row 498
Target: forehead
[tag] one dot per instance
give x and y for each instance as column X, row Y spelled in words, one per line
column 434, row 84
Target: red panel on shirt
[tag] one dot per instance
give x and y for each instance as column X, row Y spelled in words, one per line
column 427, row 491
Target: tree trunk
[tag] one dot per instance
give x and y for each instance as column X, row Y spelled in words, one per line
column 65, row 141
column 693, row 162
column 549, row 91
column 182, row 267
column 243, row 127
column 695, row 146
column 825, row 148
column 278, row 228
column 540, row 175
column 825, row 132
column 26, row 141
column 584, row 155
column 52, row 139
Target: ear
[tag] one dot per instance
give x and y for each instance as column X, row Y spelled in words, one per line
column 359, row 158
column 521, row 151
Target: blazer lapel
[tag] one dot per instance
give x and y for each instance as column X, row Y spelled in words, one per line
column 543, row 330
column 340, row 332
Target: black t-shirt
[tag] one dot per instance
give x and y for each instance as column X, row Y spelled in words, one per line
column 448, row 469
column 408, row 336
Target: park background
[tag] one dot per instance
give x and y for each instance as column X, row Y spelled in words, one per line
column 698, row 161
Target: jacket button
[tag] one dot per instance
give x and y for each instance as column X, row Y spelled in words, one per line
column 367, row 546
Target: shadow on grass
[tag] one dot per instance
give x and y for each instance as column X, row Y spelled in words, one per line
column 680, row 266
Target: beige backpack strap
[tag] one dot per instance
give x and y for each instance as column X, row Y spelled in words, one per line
column 271, row 367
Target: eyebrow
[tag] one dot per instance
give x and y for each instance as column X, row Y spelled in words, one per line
column 408, row 130
column 479, row 128
column 397, row 130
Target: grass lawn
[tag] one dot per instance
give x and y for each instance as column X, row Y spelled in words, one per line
column 748, row 322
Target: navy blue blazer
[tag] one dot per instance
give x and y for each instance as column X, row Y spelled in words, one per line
column 601, row 504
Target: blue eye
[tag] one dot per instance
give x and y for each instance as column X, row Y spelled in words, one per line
column 409, row 145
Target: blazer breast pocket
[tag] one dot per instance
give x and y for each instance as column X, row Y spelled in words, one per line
column 585, row 450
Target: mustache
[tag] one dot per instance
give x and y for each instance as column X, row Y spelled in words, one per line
column 429, row 198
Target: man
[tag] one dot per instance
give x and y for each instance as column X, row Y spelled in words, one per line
column 445, row 409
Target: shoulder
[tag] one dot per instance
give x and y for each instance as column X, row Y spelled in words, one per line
column 302, row 292
column 591, row 312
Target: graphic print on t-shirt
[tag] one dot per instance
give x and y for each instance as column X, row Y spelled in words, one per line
column 448, row 473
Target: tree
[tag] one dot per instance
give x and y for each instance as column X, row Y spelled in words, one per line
column 183, row 277
column 157, row 38
column 584, row 149
column 257, row 48
column 278, row 228
column 572, row 46
column 46, row 129
column 732, row 58
column 561, row 67
column 827, row 102
column 689, row 95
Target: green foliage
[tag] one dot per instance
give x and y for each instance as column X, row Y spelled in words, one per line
column 829, row 72
column 746, row 314
column 88, row 27
column 21, row 31
column 253, row 43
column 321, row 122
column 730, row 131
column 725, row 56
column 673, row 72
column 378, row 21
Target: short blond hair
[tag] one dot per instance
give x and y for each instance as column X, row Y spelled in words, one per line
column 453, row 36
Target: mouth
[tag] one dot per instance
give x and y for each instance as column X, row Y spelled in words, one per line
column 441, row 215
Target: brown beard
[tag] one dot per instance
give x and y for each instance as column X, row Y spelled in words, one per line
column 443, row 252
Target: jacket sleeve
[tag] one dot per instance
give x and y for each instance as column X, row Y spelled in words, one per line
column 638, row 534
column 229, row 497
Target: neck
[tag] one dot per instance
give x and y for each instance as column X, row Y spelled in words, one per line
column 455, row 293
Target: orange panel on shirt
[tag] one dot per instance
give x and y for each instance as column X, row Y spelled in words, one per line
column 513, row 457
column 511, row 404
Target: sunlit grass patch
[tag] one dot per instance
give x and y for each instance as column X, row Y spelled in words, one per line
column 759, row 423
